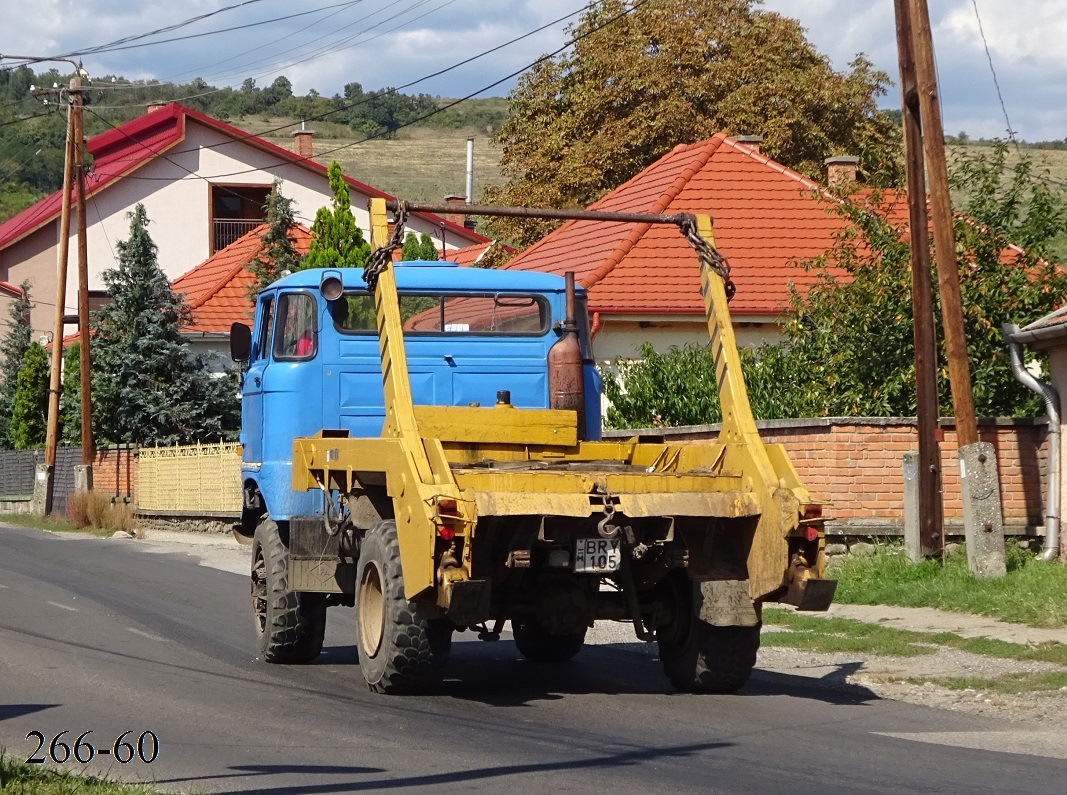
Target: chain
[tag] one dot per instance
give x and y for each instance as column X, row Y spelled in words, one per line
column 709, row 256
column 383, row 255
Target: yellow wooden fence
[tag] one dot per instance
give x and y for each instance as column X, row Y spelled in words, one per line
column 191, row 479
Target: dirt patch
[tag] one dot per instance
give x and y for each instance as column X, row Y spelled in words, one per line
column 892, row 678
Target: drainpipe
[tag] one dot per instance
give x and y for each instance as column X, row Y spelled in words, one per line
column 1051, row 548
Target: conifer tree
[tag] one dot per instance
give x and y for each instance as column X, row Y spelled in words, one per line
column 13, row 347
column 147, row 387
column 336, row 239
column 278, row 253
column 70, row 407
column 418, row 247
column 30, row 409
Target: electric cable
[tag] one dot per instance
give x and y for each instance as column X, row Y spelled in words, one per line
column 992, row 69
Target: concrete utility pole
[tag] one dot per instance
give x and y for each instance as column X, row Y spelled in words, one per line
column 983, row 525
column 922, row 477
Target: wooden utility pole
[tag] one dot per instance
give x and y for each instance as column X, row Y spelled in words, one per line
column 928, row 475
column 948, row 276
column 55, row 382
column 979, row 482
column 83, row 292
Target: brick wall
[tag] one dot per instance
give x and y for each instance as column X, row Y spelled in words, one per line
column 854, row 465
column 115, row 472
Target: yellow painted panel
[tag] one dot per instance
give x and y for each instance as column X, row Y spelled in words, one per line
column 503, row 424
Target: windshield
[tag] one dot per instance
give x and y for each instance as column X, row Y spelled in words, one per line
column 469, row 313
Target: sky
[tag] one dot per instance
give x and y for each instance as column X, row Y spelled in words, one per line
column 324, row 44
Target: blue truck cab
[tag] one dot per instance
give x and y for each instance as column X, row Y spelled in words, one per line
column 312, row 364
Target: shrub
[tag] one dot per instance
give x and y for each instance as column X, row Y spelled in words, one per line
column 119, row 518
column 97, row 506
column 76, row 509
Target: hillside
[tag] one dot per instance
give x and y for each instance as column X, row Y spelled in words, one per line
column 420, row 164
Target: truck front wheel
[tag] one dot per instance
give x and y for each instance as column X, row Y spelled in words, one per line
column 537, row 644
column 401, row 649
column 290, row 626
column 700, row 658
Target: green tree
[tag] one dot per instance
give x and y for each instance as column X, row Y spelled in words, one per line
column 418, row 247
column 336, row 240
column 29, row 414
column 677, row 71
column 849, row 348
column 146, row 386
column 278, row 252
column 70, row 406
column 13, row 347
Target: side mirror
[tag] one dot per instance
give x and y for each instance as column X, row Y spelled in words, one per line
column 240, row 342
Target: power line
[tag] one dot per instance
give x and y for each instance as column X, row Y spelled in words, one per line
column 441, row 109
column 992, row 69
column 369, row 97
column 166, row 29
column 110, row 48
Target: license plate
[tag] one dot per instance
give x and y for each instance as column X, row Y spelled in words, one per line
column 597, row 554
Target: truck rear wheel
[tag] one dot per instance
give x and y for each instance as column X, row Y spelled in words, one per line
column 401, row 649
column 537, row 644
column 700, row 658
column 290, row 626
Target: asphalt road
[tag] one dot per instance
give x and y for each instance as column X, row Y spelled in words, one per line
column 110, row 636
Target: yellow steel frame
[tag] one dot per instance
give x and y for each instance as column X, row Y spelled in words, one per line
column 427, row 453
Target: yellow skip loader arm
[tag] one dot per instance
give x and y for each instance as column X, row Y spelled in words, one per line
column 428, row 460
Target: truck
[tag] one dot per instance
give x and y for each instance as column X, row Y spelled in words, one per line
column 422, row 442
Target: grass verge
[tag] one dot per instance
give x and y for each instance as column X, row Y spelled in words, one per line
column 39, row 523
column 1031, row 593
column 17, row 778
column 1009, row 683
column 827, row 635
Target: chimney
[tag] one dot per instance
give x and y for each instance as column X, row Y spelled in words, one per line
column 156, row 106
column 841, row 170
column 456, row 218
column 751, row 141
column 302, row 142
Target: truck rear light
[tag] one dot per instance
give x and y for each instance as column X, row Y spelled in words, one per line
column 446, row 506
column 811, row 532
column 813, row 511
column 446, row 532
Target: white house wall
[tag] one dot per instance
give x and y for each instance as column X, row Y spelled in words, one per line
column 621, row 336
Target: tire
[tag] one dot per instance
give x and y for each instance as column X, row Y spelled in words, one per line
column 538, row 645
column 401, row 649
column 700, row 658
column 289, row 625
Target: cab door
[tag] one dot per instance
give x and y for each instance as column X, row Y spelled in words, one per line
column 252, row 392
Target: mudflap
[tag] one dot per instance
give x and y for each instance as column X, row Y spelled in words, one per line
column 315, row 562
column 469, row 602
column 726, row 603
column 816, row 595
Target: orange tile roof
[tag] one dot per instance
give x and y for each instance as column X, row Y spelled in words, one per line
column 470, row 255
column 217, row 289
column 766, row 219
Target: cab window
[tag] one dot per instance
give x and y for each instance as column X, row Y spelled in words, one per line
column 295, row 338
column 266, row 325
